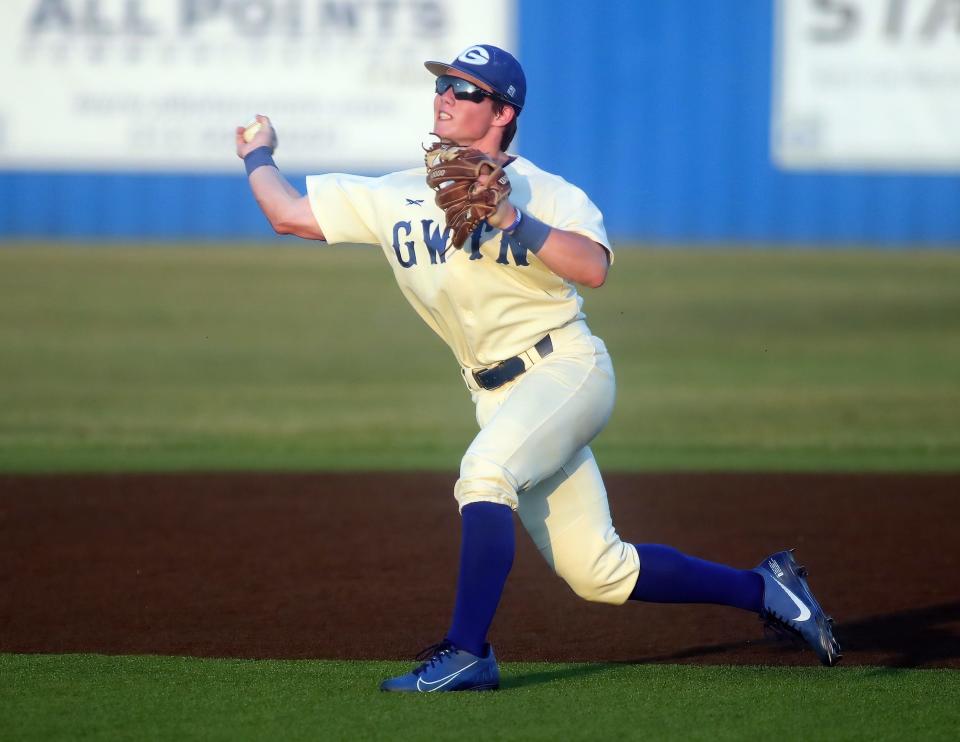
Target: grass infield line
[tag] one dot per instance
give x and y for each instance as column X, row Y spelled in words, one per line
column 189, row 358
column 139, row 697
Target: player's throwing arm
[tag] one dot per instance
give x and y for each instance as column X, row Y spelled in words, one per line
column 286, row 209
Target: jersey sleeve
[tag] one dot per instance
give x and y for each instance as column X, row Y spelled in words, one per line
column 575, row 212
column 344, row 207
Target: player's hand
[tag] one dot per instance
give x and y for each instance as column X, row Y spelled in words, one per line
column 505, row 213
column 504, row 216
column 266, row 137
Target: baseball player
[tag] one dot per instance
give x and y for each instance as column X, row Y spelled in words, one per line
column 501, row 293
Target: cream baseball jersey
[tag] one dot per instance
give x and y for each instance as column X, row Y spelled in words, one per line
column 488, row 301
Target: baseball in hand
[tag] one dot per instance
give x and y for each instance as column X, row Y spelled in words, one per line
column 251, row 131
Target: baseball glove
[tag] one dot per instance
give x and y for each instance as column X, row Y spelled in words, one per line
column 454, row 173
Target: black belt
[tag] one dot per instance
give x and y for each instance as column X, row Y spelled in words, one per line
column 510, row 369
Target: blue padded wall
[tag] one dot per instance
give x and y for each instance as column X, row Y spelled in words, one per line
column 659, row 109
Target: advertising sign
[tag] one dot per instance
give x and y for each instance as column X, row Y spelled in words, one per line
column 867, row 84
column 161, row 84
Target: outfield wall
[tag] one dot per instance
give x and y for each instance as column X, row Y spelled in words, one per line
column 687, row 121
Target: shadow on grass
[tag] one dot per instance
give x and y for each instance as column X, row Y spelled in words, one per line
column 512, row 682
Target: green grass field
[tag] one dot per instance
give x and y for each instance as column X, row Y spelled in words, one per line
column 83, row 696
column 168, row 358
column 161, row 358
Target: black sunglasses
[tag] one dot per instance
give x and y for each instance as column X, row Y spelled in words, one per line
column 462, row 89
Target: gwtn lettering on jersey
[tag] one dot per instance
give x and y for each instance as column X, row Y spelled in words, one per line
column 435, row 242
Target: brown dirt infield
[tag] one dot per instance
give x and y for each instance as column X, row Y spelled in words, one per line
column 364, row 566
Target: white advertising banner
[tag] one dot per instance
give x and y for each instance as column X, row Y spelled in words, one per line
column 161, row 84
column 867, row 84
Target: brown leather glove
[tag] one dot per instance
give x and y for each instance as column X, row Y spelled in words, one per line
column 454, row 172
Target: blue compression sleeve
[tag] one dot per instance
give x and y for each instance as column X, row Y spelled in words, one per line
column 669, row 576
column 486, row 556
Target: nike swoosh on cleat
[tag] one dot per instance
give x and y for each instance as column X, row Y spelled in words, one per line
column 804, row 611
column 422, row 684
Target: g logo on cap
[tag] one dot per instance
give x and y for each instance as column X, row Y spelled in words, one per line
column 476, row 55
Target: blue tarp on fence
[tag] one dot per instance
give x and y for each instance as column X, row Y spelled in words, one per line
column 659, row 110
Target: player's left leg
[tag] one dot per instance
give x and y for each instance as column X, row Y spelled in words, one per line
column 569, row 520
column 669, row 576
column 777, row 589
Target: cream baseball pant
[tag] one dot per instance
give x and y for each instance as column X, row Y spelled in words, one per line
column 533, row 454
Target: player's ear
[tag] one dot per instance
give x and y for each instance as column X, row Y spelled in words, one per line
column 505, row 115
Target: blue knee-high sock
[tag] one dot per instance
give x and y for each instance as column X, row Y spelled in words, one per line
column 669, row 576
column 486, row 556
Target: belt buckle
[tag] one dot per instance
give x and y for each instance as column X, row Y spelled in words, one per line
column 478, row 377
column 544, row 346
column 510, row 369
column 503, row 372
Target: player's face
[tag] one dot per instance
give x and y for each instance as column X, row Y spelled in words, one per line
column 462, row 121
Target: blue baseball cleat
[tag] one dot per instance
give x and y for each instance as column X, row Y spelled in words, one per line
column 789, row 606
column 447, row 668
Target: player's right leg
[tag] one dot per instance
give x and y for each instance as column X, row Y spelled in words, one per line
column 529, row 428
